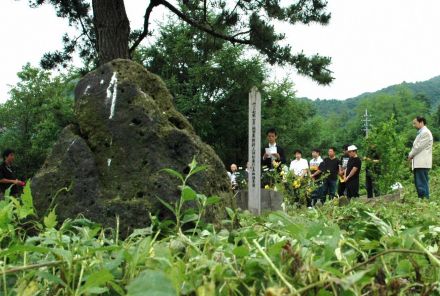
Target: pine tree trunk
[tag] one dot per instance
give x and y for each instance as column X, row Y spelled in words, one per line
column 112, row 29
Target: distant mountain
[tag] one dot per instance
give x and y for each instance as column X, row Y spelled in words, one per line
column 430, row 89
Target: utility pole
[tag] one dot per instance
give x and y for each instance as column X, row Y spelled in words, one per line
column 366, row 123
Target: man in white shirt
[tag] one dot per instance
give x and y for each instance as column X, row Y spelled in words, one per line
column 315, row 161
column 421, row 156
column 233, row 175
column 299, row 166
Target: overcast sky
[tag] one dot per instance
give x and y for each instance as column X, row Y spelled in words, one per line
column 373, row 43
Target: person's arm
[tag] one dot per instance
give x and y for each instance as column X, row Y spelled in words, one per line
column 9, row 181
column 305, row 168
column 422, row 143
column 318, row 171
column 352, row 172
column 263, row 152
column 282, row 155
column 340, row 169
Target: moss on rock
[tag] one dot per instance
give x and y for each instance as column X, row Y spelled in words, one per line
column 128, row 130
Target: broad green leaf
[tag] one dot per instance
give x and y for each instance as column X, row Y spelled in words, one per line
column 50, row 221
column 241, row 251
column 275, row 249
column 188, row 193
column 230, row 212
column 212, row 200
column 404, row 267
column 190, row 218
column 96, row 290
column 151, row 283
column 96, row 281
column 26, row 199
column 5, row 214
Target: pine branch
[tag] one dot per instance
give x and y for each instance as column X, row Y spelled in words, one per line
column 144, row 33
column 201, row 27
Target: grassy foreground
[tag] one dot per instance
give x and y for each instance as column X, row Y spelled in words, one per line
column 358, row 249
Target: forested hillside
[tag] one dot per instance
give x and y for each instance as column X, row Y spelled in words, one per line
column 428, row 91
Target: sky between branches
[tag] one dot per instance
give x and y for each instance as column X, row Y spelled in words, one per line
column 373, row 43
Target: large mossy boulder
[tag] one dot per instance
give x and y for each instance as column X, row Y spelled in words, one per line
column 127, row 131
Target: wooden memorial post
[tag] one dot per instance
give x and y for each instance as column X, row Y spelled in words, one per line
column 254, row 152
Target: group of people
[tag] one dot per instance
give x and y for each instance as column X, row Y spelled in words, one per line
column 342, row 175
column 326, row 172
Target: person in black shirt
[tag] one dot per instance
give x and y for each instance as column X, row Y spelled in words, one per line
column 342, row 167
column 352, row 173
column 372, row 171
column 270, row 154
column 7, row 175
column 331, row 166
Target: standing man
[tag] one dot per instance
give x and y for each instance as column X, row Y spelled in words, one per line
column 272, row 152
column 331, row 166
column 372, row 171
column 352, row 172
column 299, row 165
column 315, row 174
column 315, row 161
column 342, row 167
column 421, row 156
column 233, row 176
column 7, row 174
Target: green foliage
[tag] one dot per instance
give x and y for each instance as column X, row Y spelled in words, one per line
column 210, row 81
column 390, row 147
column 340, row 122
column 351, row 250
column 189, row 215
column 292, row 118
column 39, row 107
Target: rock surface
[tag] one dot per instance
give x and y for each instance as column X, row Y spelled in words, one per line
column 127, row 131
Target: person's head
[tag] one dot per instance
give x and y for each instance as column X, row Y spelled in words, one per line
column 419, row 122
column 344, row 148
column 316, row 152
column 331, row 152
column 352, row 151
column 233, row 167
column 271, row 135
column 298, row 154
column 8, row 155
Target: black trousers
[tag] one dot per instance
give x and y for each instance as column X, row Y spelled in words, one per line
column 371, row 185
column 341, row 188
column 352, row 188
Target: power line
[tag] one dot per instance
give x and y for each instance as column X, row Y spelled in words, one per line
column 366, row 123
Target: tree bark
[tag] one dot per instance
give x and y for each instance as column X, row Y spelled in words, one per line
column 112, row 29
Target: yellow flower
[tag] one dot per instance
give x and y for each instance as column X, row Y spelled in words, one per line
column 267, row 187
column 282, row 173
column 296, row 184
column 275, row 164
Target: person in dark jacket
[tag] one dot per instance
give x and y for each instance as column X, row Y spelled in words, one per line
column 8, row 177
column 272, row 152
